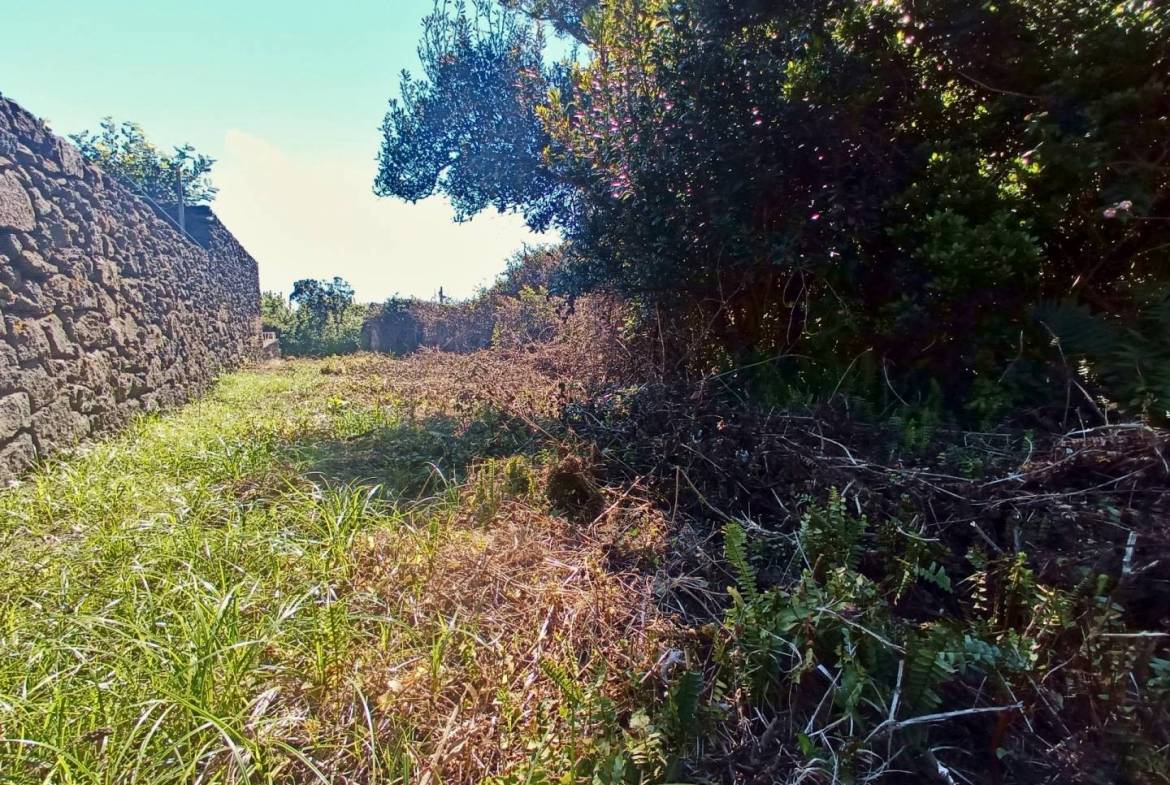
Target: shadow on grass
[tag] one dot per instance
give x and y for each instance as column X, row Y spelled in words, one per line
column 415, row 458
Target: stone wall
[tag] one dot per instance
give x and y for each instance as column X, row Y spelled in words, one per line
column 106, row 309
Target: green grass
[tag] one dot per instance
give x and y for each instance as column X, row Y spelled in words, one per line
column 175, row 604
column 305, row 578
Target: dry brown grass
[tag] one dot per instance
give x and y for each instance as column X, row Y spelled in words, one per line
column 599, row 554
column 499, row 584
column 509, row 597
column 433, row 382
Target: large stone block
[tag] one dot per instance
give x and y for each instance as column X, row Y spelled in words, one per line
column 93, row 329
column 30, row 299
column 60, row 344
column 16, row 456
column 16, row 209
column 41, row 387
column 9, row 368
column 32, row 265
column 72, row 163
column 15, row 414
column 72, row 262
column 106, row 272
column 57, row 426
column 27, row 338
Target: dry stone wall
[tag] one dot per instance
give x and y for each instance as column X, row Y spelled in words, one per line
column 107, row 310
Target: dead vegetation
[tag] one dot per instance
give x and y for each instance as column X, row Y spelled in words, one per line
column 519, row 600
column 487, row 568
column 1048, row 557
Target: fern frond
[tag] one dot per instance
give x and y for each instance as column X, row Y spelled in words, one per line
column 735, row 550
column 565, row 682
column 683, row 705
column 830, row 534
column 1128, row 357
column 928, row 668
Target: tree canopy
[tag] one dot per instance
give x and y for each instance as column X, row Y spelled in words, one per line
column 323, row 301
column 566, row 16
column 468, row 129
column 320, row 317
column 933, row 190
column 124, row 151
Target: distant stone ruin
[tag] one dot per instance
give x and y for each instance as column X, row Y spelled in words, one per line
column 107, row 308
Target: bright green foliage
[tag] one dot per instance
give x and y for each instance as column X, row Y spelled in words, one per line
column 615, row 753
column 497, row 481
column 830, row 536
column 275, row 313
column 322, row 301
column 325, row 321
column 170, row 601
column 122, row 150
column 883, row 686
column 683, row 708
column 208, row 598
column 735, row 551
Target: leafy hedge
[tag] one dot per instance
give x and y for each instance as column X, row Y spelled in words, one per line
column 908, row 187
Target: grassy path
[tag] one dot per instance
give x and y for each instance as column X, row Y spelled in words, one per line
column 293, row 581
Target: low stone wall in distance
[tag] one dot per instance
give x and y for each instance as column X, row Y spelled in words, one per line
column 106, row 308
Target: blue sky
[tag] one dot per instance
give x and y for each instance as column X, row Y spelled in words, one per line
column 288, row 96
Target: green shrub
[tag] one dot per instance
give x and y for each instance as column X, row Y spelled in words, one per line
column 823, row 180
column 326, row 321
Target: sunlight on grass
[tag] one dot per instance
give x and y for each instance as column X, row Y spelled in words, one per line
column 172, row 603
column 301, row 578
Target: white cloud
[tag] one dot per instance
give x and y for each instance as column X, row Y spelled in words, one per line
column 318, row 219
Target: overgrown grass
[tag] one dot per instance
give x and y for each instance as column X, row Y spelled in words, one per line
column 368, row 570
column 170, row 599
column 238, row 591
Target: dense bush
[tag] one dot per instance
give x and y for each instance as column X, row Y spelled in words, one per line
column 896, row 190
column 325, row 320
column 402, row 325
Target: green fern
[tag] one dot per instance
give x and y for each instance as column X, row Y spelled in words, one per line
column 645, row 743
column 682, row 708
column 1159, row 682
column 830, row 535
column 565, row 682
column 928, row 667
column 735, row 550
column 935, row 574
column 1129, row 360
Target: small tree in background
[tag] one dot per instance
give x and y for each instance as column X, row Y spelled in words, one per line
column 124, row 151
column 321, row 318
column 323, row 302
column 275, row 313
